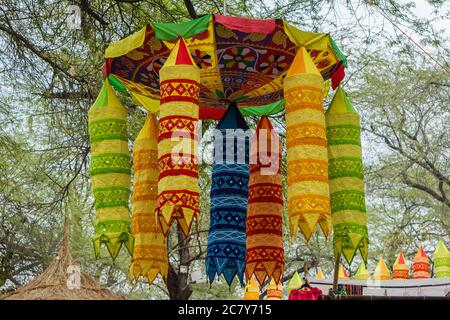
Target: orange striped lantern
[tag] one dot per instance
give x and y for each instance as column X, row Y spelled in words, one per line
column 307, row 156
column 421, row 265
column 400, row 268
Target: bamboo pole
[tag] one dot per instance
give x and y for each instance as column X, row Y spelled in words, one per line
column 336, row 272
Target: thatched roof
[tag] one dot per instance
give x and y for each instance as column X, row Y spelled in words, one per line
column 52, row 284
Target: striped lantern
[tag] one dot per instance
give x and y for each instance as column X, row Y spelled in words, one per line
column 110, row 170
column 178, row 190
column 400, row 268
column 421, row 265
column 307, row 156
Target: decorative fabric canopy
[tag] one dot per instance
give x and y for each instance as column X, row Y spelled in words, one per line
column 265, row 251
column 229, row 197
column 421, row 265
column 345, row 173
column 362, row 273
column 178, row 190
column 400, row 268
column 110, row 172
column 241, row 60
column 307, row 157
column 274, row 290
column 381, row 271
column 149, row 253
column 441, row 259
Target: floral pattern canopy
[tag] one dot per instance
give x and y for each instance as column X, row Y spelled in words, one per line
column 241, row 60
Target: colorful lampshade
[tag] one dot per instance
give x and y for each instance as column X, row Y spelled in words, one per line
column 381, row 271
column 319, row 274
column 178, row 190
column 441, row 259
column 110, row 170
column 251, row 290
column 240, row 59
column 295, row 282
column 307, row 156
column 342, row 274
column 362, row 273
column 400, row 268
column 274, row 290
column 265, row 251
column 149, row 253
column 421, row 265
column 345, row 172
column 229, row 197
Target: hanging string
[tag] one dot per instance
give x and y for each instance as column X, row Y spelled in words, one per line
column 410, row 39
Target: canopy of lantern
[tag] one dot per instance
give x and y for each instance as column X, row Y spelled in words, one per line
column 241, row 60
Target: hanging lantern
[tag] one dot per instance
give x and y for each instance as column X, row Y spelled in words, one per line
column 307, row 157
column 320, row 275
column 229, row 197
column 295, row 283
column 342, row 274
column 421, row 265
column 400, row 268
column 274, row 290
column 178, row 190
column 346, row 179
column 149, row 253
column 381, row 271
column 265, row 251
column 362, row 273
column 110, row 172
column 441, row 258
column 251, row 290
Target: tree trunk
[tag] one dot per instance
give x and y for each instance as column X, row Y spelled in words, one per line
column 178, row 280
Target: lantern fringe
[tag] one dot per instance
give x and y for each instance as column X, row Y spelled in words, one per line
column 183, row 216
column 113, row 243
column 148, row 269
column 265, row 270
column 228, row 267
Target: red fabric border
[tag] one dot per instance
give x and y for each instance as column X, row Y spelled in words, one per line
column 178, row 98
column 214, row 114
column 246, row 25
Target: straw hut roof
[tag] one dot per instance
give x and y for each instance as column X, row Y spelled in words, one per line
column 52, row 284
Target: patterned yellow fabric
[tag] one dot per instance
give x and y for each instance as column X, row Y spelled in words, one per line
column 307, row 157
column 381, row 271
column 178, row 190
column 346, row 178
column 203, row 49
column 149, row 253
column 110, row 172
column 251, row 291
